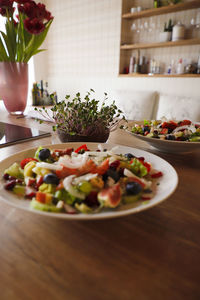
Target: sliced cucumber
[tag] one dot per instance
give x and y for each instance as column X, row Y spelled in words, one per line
column 15, row 171
column 85, row 187
column 44, row 207
column 131, row 198
column 19, row 190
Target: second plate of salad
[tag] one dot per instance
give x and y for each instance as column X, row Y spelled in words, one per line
column 85, row 181
column 168, row 135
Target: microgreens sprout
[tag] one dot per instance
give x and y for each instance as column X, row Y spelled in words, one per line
column 85, row 116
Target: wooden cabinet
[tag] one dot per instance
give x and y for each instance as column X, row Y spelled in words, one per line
column 128, row 44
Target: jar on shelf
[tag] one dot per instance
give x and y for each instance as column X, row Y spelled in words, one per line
column 178, row 32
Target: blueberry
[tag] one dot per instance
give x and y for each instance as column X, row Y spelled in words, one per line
column 133, row 188
column 129, row 155
column 170, row 137
column 44, row 154
column 51, row 178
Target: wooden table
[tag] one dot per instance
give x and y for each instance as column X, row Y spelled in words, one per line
column 154, row 254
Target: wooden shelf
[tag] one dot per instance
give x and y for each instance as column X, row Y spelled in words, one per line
column 188, row 42
column 160, row 75
column 162, row 10
column 128, row 45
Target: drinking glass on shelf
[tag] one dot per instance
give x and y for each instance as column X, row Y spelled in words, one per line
column 143, row 28
column 135, row 27
column 139, row 30
column 146, row 31
column 194, row 28
column 134, row 30
column 157, row 30
column 197, row 24
column 151, row 28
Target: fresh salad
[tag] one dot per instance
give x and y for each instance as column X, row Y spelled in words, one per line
column 184, row 130
column 81, row 181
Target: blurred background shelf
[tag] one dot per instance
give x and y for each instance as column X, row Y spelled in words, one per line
column 148, row 39
column 162, row 10
column 160, row 75
column 160, row 45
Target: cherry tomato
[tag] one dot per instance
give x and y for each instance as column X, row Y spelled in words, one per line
column 26, row 160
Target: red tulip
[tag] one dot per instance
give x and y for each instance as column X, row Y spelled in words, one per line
column 34, row 26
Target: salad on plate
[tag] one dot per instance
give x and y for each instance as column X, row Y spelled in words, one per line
column 75, row 181
column 171, row 130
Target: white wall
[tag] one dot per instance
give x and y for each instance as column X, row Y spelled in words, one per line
column 83, row 52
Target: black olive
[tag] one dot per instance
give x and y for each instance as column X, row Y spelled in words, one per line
column 44, row 154
column 82, row 151
column 55, row 200
column 133, row 188
column 170, row 137
column 183, row 138
column 146, row 128
column 170, row 130
column 129, row 155
column 51, row 178
column 113, row 174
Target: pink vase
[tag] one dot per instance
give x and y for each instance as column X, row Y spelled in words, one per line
column 14, row 86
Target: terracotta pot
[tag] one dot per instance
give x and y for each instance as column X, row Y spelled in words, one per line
column 14, row 86
column 64, row 137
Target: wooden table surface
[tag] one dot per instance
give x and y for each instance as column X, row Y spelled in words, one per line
column 154, row 254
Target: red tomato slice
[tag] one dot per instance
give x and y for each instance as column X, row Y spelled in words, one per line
column 59, row 152
column 169, row 125
column 157, row 175
column 164, row 125
column 83, row 147
column 184, row 122
column 164, row 131
column 146, row 164
column 26, row 160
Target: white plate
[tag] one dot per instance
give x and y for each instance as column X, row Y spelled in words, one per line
column 167, row 184
column 167, row 146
